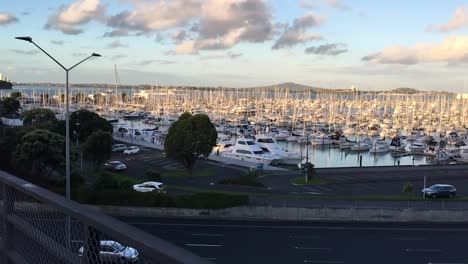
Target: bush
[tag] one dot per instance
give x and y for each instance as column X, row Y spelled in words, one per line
column 123, row 198
column 152, row 175
column 250, row 179
column 107, row 180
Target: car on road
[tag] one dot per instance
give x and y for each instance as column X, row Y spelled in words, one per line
column 150, row 186
column 115, row 165
column 113, row 252
column 439, row 190
column 118, row 147
column 131, row 150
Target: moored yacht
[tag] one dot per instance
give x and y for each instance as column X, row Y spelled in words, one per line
column 379, row 146
column 269, row 145
column 245, row 149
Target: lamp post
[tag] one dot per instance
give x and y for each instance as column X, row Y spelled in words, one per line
column 67, row 111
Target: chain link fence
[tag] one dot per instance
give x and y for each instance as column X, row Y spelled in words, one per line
column 38, row 226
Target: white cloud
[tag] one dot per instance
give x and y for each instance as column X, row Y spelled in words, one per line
column 6, row 19
column 68, row 18
column 224, row 23
column 337, row 4
column 459, row 20
column 153, row 16
column 297, row 32
column 452, row 50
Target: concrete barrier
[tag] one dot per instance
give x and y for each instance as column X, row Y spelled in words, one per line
column 295, row 214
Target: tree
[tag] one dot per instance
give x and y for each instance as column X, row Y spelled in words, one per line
column 190, row 137
column 15, row 95
column 9, row 107
column 9, row 138
column 98, row 147
column 86, row 122
column 39, row 118
column 41, row 151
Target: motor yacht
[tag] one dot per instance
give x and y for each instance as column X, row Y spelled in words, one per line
column 379, row 146
column 245, row 149
column 269, row 145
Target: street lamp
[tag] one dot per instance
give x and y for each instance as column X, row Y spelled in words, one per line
column 67, row 112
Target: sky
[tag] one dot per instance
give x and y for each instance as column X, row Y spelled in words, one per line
column 372, row 45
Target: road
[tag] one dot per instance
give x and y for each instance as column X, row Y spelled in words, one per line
column 287, row 242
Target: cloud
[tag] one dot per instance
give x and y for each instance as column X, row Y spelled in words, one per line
column 116, row 33
column 68, row 18
column 297, row 32
column 179, row 36
column 225, row 23
column 452, row 50
column 79, row 54
column 6, row 19
column 148, row 62
column 337, row 4
column 307, row 5
column 459, row 20
column 118, row 56
column 233, row 55
column 330, row 49
column 116, row 44
column 57, row 42
column 152, row 16
column 25, row 52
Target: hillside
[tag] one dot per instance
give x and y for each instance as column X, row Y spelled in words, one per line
column 294, row 87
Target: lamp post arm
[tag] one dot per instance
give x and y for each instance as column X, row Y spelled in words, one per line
column 50, row 56
column 69, row 69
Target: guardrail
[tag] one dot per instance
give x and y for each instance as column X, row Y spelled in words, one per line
column 38, row 226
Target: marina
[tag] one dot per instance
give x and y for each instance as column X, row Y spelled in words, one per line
column 334, row 128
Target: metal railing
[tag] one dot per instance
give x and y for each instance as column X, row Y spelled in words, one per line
column 38, row 226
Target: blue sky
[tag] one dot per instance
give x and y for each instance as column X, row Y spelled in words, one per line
column 373, row 45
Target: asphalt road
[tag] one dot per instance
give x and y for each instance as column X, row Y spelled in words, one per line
column 286, row 242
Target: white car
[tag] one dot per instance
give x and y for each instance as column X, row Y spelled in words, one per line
column 150, row 187
column 131, row 150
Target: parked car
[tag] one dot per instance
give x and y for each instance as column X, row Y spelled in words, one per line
column 119, row 147
column 150, row 187
column 113, row 252
column 439, row 190
column 131, row 150
column 115, row 165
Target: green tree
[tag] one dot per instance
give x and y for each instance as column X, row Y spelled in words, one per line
column 190, row 137
column 15, row 95
column 41, row 151
column 9, row 107
column 9, row 138
column 86, row 122
column 98, row 147
column 39, row 118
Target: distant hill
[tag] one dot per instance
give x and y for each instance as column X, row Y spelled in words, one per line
column 404, row 90
column 294, row 87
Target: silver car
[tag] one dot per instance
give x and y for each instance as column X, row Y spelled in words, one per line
column 113, row 252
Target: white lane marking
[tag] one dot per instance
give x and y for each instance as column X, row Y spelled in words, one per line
column 422, row 250
column 322, row 261
column 312, row 248
column 322, row 187
column 202, row 245
column 366, row 186
column 308, row 188
column 306, row 227
column 208, row 235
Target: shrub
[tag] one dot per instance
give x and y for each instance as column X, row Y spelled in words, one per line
column 250, row 179
column 152, row 175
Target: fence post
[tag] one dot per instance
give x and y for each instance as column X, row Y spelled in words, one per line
column 7, row 227
column 92, row 245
